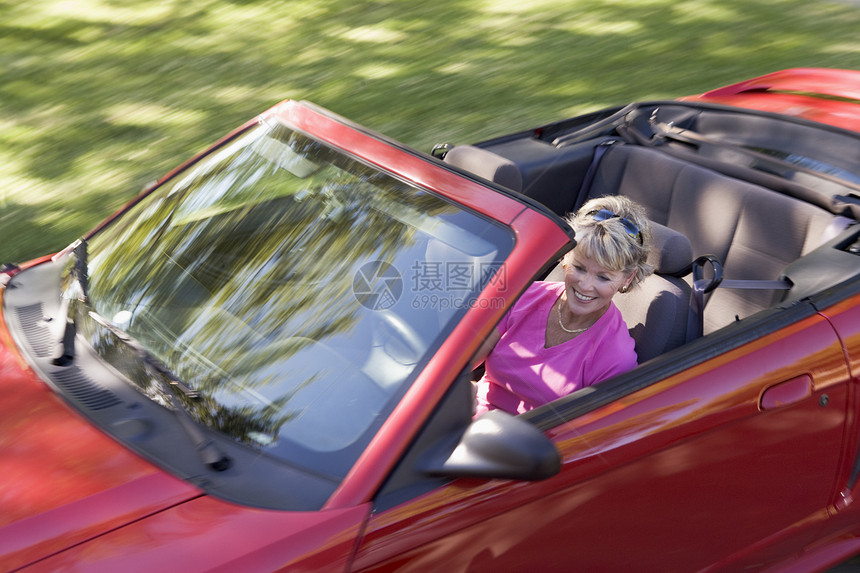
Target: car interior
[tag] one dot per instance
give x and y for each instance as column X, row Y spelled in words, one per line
column 747, row 207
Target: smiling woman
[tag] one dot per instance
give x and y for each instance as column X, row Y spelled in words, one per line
column 562, row 337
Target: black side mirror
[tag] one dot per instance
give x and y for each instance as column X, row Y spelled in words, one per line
column 498, row 445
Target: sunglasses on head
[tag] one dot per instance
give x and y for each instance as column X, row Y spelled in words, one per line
column 606, row 214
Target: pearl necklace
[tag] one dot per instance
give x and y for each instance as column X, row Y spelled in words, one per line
column 563, row 327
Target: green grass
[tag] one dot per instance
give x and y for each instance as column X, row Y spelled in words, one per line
column 98, row 97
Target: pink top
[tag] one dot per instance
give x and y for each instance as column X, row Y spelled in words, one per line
column 521, row 373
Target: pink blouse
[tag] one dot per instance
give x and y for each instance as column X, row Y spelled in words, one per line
column 521, row 373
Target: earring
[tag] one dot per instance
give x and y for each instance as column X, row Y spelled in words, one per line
column 624, row 289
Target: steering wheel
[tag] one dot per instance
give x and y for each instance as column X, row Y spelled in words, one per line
column 397, row 338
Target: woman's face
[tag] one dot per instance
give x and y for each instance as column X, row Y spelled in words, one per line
column 590, row 286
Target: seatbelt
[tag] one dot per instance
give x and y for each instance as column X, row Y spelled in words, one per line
column 779, row 284
column 702, row 286
column 599, row 150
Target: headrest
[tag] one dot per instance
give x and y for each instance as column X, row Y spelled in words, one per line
column 486, row 164
column 671, row 251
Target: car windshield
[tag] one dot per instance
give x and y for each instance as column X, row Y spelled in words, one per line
column 293, row 290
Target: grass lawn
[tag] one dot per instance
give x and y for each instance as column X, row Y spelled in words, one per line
column 99, row 97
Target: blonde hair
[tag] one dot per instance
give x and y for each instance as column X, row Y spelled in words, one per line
column 608, row 242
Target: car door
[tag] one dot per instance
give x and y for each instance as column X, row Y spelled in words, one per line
column 721, row 458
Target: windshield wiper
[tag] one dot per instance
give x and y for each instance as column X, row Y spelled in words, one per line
column 206, row 448
column 76, row 299
column 77, row 291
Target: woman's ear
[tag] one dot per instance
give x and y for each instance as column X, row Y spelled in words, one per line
column 627, row 282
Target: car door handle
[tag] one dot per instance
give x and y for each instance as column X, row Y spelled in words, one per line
column 785, row 393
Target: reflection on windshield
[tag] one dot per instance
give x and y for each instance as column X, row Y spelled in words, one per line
column 289, row 287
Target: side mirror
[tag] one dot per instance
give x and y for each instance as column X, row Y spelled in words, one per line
column 498, row 445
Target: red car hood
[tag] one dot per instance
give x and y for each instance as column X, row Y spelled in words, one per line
column 62, row 481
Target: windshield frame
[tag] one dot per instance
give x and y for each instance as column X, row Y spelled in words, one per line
column 177, row 176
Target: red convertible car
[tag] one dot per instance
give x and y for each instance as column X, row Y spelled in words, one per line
column 262, row 363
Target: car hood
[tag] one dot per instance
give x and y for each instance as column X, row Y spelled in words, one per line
column 63, row 481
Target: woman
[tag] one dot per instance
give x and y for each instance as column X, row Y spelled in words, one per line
column 562, row 336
